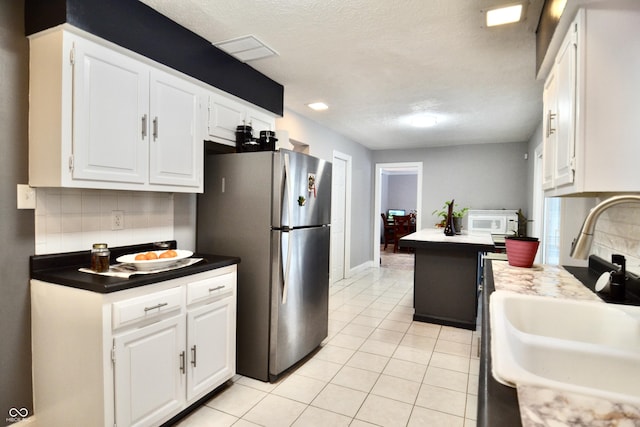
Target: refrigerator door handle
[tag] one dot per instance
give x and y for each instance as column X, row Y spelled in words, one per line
column 287, row 267
column 289, row 198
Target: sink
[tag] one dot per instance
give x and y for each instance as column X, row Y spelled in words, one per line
column 587, row 347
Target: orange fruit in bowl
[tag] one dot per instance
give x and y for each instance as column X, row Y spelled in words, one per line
column 169, row 254
column 151, row 255
column 141, row 257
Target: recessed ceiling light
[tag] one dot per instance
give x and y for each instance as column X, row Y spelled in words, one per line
column 423, row 121
column 318, row 106
column 504, row 15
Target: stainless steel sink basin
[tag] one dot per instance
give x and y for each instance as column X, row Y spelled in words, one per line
column 582, row 346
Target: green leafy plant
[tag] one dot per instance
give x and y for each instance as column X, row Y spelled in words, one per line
column 444, row 211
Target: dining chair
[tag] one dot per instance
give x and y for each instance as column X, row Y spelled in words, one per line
column 389, row 231
column 402, row 227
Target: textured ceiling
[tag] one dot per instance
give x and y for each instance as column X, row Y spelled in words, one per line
column 375, row 62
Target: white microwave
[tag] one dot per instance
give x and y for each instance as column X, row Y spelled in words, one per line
column 499, row 221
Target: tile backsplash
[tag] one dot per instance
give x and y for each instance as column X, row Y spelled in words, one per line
column 618, row 232
column 73, row 219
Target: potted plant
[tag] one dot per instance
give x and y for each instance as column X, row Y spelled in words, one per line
column 521, row 249
column 457, row 216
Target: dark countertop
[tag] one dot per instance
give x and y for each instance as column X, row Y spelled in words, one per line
column 497, row 403
column 63, row 268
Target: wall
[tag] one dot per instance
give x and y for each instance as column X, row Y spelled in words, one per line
column 618, row 232
column 70, row 219
column 487, row 176
column 400, row 192
column 16, row 226
column 322, row 142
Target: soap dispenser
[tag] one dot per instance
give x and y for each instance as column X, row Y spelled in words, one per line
column 618, row 278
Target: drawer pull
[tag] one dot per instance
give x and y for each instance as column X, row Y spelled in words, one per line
column 216, row 288
column 162, row 304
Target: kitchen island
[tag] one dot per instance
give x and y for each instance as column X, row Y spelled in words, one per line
column 446, row 275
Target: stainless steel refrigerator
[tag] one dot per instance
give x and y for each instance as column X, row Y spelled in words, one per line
column 272, row 209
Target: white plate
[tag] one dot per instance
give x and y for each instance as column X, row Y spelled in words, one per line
column 153, row 264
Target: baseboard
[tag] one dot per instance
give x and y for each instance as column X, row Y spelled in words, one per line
column 360, row 268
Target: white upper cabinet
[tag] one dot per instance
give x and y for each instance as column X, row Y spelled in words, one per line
column 225, row 114
column 110, row 101
column 591, row 106
column 549, row 129
column 175, row 143
column 559, row 100
column 101, row 117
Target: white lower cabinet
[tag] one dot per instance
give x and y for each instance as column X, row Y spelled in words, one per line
column 210, row 345
column 149, row 373
column 131, row 358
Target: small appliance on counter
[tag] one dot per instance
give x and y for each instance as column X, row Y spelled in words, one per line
column 498, row 222
column 245, row 141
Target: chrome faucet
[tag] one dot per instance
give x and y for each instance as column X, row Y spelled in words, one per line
column 582, row 243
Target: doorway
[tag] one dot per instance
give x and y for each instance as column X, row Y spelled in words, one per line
column 383, row 170
column 340, row 216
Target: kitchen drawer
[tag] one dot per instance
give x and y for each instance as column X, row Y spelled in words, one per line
column 154, row 306
column 212, row 288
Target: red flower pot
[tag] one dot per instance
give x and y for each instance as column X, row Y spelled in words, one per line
column 521, row 251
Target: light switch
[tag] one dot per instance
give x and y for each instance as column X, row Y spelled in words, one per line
column 26, row 197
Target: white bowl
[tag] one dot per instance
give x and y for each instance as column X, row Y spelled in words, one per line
column 153, row 264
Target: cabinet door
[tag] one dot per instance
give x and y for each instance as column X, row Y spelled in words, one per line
column 565, row 70
column 211, row 346
column 223, row 118
column 110, row 104
column 550, row 132
column 175, row 151
column 149, row 367
column 259, row 121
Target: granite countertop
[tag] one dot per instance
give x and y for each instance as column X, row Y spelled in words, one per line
column 64, row 269
column 429, row 236
column 537, row 406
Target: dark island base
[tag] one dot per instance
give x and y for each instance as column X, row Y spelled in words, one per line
column 445, row 321
column 445, row 285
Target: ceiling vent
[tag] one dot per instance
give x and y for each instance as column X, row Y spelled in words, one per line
column 246, row 48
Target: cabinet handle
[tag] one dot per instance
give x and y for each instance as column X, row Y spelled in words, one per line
column 193, row 356
column 216, row 288
column 182, row 367
column 550, row 130
column 144, row 126
column 162, row 304
column 155, row 128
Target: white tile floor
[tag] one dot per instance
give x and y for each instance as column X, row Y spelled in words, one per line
column 376, row 368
